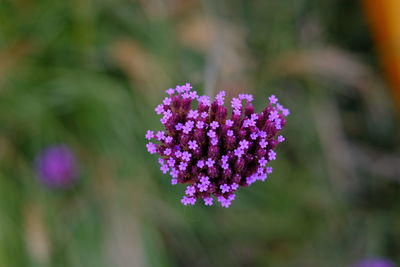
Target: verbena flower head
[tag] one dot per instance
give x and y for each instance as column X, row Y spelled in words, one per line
column 56, row 166
column 212, row 150
column 375, row 262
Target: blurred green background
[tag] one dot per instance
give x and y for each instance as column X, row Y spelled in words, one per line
column 89, row 73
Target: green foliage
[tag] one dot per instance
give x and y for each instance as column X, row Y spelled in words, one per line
column 89, row 73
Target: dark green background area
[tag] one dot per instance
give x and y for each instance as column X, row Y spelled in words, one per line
column 89, row 74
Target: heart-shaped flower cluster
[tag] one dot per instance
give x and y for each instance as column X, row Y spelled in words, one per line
column 211, row 153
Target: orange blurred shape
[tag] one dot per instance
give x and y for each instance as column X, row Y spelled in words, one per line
column 384, row 20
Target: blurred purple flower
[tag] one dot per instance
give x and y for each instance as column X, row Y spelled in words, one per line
column 212, row 153
column 375, row 262
column 56, row 166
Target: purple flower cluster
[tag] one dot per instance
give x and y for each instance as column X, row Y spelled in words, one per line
column 211, row 153
column 375, row 262
column 56, row 166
